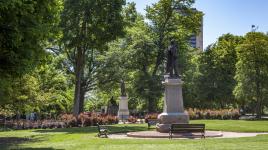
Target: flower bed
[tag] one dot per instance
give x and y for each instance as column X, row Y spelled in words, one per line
column 222, row 114
column 64, row 121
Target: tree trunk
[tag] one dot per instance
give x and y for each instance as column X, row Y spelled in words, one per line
column 79, row 67
column 82, row 99
column 152, row 105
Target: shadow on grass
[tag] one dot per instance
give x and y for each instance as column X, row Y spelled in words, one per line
column 14, row 142
column 48, row 148
column 93, row 129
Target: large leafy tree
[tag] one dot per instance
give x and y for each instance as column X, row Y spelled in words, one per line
column 252, row 70
column 115, row 63
column 128, row 60
column 46, row 90
column 87, row 26
column 25, row 28
column 213, row 80
column 169, row 19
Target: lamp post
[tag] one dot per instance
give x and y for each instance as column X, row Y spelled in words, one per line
column 254, row 28
column 258, row 74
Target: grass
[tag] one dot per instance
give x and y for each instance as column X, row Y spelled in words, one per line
column 85, row 138
column 235, row 125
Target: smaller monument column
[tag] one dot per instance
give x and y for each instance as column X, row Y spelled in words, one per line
column 123, row 112
column 173, row 102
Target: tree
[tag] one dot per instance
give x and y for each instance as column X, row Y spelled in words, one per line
column 213, row 80
column 252, row 70
column 25, row 28
column 87, row 26
column 115, row 66
column 169, row 19
column 46, row 90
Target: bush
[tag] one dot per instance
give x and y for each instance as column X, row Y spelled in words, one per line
column 69, row 119
column 222, row 114
column 132, row 119
column 89, row 119
column 151, row 116
column 84, row 119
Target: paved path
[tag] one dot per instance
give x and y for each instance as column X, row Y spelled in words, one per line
column 239, row 134
column 224, row 135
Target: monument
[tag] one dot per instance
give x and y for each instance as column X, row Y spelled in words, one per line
column 112, row 108
column 173, row 101
column 123, row 112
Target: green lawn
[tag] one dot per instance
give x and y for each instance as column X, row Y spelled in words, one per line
column 235, row 125
column 85, row 138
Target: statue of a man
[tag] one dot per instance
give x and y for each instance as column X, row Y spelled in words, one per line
column 172, row 60
column 123, row 88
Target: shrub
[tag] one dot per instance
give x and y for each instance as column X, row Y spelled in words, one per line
column 151, row 116
column 132, row 119
column 69, row 119
column 221, row 114
column 65, row 120
column 84, row 119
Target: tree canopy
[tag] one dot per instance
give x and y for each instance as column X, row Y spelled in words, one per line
column 76, row 55
column 87, row 26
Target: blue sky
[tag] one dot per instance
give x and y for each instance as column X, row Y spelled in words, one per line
column 226, row 16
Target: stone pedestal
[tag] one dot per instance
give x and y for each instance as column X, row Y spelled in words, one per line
column 123, row 112
column 173, row 105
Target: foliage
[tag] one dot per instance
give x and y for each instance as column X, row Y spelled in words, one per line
column 45, row 90
column 25, row 28
column 69, row 119
column 88, row 119
column 142, row 50
column 209, row 82
column 104, row 43
column 132, row 119
column 251, row 74
column 87, row 26
column 115, row 66
column 169, row 19
column 222, row 114
column 151, row 116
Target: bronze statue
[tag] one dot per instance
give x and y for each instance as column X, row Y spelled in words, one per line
column 172, row 60
column 123, row 88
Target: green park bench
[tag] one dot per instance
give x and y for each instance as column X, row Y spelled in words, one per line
column 102, row 131
column 187, row 128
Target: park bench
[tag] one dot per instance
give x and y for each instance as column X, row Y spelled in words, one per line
column 151, row 122
column 187, row 128
column 102, row 131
